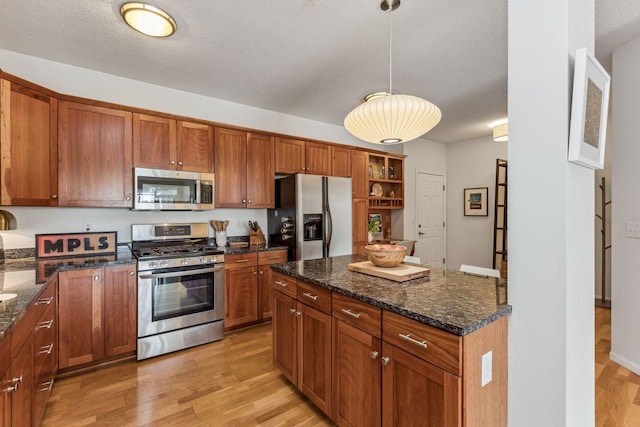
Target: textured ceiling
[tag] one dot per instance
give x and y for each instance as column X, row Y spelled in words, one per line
column 309, row 58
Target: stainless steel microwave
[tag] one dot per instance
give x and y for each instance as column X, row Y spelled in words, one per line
column 167, row 190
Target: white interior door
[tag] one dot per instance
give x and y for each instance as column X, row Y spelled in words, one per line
column 430, row 219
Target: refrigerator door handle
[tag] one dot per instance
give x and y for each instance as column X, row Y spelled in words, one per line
column 329, row 227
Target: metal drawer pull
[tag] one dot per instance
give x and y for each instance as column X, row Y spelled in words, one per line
column 48, row 385
column 46, row 324
column 351, row 313
column 283, row 284
column 46, row 349
column 240, row 261
column 374, row 354
column 407, row 337
column 274, row 257
column 308, row 295
column 46, row 301
column 15, row 383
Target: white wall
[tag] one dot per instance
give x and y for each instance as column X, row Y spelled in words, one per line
column 625, row 292
column 422, row 156
column 551, row 221
column 606, row 173
column 86, row 83
column 471, row 164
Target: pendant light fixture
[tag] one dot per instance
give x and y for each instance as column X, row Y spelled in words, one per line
column 148, row 19
column 388, row 118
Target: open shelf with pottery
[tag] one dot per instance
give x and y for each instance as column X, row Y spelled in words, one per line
column 386, row 183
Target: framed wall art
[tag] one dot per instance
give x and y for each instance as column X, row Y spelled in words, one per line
column 475, row 201
column 589, row 108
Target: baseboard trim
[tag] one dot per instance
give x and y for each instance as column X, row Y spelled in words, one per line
column 633, row 367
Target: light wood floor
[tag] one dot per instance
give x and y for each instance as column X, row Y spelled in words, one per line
column 617, row 389
column 228, row 383
column 232, row 382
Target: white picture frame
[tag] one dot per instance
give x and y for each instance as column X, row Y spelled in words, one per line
column 589, row 111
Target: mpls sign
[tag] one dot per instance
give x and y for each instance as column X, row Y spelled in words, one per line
column 75, row 244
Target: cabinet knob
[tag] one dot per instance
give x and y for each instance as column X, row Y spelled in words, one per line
column 173, row 162
column 179, row 163
column 249, row 201
column 373, row 354
column 298, row 314
column 384, row 360
column 292, row 310
column 131, row 273
column 96, row 277
column 127, row 198
column 261, row 272
column 55, row 196
column 244, row 200
column 255, row 273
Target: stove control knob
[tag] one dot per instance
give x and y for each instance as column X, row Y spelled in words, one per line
column 203, row 260
column 185, row 262
column 153, row 264
column 164, row 264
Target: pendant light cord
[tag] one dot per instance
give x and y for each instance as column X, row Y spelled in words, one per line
column 390, row 49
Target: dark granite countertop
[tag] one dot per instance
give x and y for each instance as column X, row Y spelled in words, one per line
column 26, row 278
column 448, row 300
column 234, row 250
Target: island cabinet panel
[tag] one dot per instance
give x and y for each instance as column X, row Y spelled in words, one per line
column 314, row 296
column 357, row 313
column 285, row 335
column 356, row 376
column 154, row 142
column 21, row 384
column 290, row 156
column 5, row 399
column 285, row 284
column 95, row 156
column 359, row 180
column 195, row 147
column 340, row 161
column 120, row 307
column 97, row 315
column 318, row 158
column 245, row 171
column 28, row 146
column 314, row 356
column 265, row 281
column 415, row 392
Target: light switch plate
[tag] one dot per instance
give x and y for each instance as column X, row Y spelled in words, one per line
column 633, row 229
column 487, row 367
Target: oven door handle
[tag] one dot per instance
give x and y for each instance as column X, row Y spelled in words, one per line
column 181, row 273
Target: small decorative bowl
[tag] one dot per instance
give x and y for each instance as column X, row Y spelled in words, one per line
column 385, row 255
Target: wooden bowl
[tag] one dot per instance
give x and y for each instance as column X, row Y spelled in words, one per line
column 385, row 255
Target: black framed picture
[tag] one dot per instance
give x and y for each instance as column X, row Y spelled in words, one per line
column 475, row 201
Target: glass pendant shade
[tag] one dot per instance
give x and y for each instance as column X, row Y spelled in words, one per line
column 501, row 132
column 392, row 119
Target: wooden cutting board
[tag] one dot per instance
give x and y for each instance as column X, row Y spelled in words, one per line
column 400, row 273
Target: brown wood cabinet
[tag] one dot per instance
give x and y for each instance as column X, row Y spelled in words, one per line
column 360, row 224
column 94, row 156
column 318, row 158
column 359, row 174
column 340, row 161
column 28, row 146
column 245, row 171
column 21, row 385
column 298, row 156
column 89, row 301
column 5, row 398
column 285, row 335
column 265, row 280
column 164, row 143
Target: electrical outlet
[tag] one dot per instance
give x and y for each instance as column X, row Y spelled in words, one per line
column 87, row 226
column 633, row 229
column 487, row 367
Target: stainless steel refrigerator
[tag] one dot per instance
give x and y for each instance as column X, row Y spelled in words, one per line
column 312, row 216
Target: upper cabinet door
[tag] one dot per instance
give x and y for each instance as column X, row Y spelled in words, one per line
column 28, row 145
column 359, row 174
column 195, row 147
column 340, row 161
column 230, row 154
column 290, row 156
column 260, row 171
column 94, row 150
column 154, row 142
column 318, row 158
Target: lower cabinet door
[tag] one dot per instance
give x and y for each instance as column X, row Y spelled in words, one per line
column 241, row 296
column 120, row 309
column 265, row 308
column 417, row 393
column 314, row 356
column 285, row 336
column 22, row 384
column 356, row 376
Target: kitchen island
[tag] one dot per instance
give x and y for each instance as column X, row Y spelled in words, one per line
column 423, row 352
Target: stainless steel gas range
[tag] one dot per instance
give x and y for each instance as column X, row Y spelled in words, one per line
column 180, row 287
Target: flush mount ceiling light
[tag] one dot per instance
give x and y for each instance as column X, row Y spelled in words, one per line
column 500, row 130
column 148, row 19
column 386, row 118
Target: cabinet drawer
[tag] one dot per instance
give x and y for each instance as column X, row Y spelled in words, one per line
column 272, row 257
column 431, row 344
column 357, row 313
column 314, row 296
column 240, row 260
column 285, row 284
column 45, row 345
column 44, row 301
